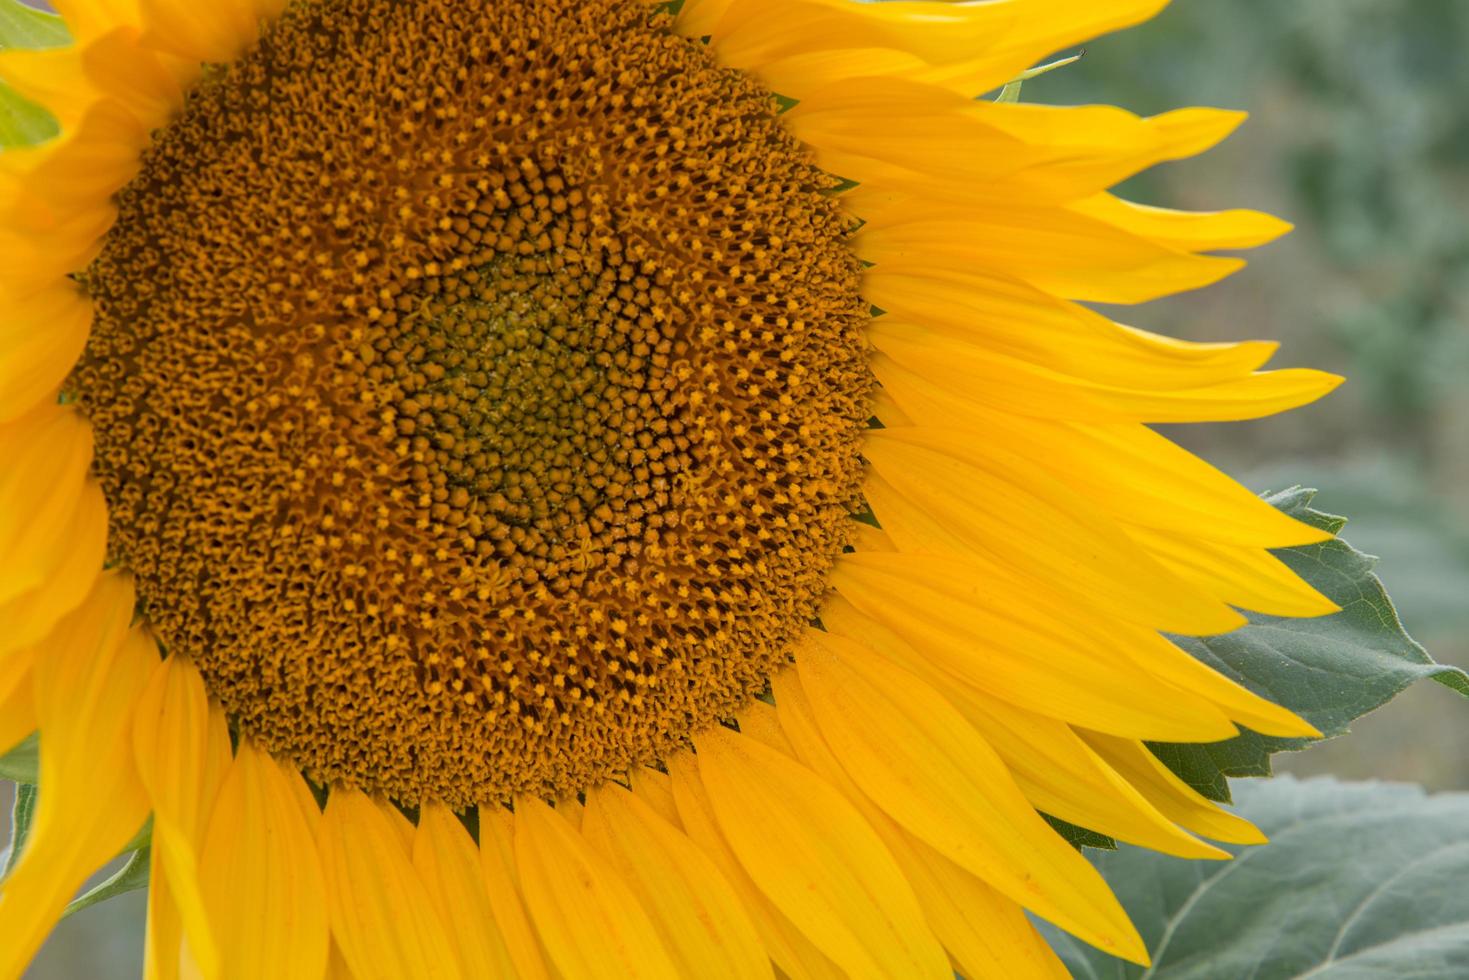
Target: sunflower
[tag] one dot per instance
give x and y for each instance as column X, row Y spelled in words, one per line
column 590, row 488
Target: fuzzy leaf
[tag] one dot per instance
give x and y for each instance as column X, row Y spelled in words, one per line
column 1360, row 881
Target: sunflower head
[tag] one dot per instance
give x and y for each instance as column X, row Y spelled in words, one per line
column 659, row 448
column 483, row 421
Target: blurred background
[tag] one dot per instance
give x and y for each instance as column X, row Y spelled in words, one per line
column 1359, row 134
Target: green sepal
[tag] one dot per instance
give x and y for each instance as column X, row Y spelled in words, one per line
column 22, row 814
column 1011, row 91
column 130, row 877
column 22, row 764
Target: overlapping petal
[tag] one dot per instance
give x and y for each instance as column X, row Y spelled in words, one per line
column 992, row 651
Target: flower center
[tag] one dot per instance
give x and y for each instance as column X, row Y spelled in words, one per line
column 477, row 391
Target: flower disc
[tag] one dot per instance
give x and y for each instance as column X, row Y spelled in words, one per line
column 477, row 392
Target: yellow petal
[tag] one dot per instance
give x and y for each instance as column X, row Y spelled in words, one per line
column 927, row 141
column 35, row 264
column 1168, row 793
column 1138, row 476
column 896, row 132
column 1248, row 577
column 17, row 699
column 788, row 946
column 66, row 185
column 85, row 690
column 1016, row 385
column 1055, row 770
column 336, row 965
column 816, row 859
column 86, row 19
column 656, row 790
column 31, row 616
column 51, row 77
column 502, row 885
column 1031, row 521
column 260, row 876
column 997, row 638
column 919, row 760
column 698, row 18
column 449, row 866
column 1090, row 148
column 381, row 916
column 695, row 911
column 47, row 453
column 40, row 340
column 182, row 751
column 1005, row 315
column 589, row 920
column 164, row 936
column 1191, row 231
column 1055, row 249
column 985, row 933
column 986, row 43
column 214, row 32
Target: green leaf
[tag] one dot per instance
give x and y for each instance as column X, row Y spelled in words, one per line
column 22, row 26
column 22, row 122
column 130, row 877
column 1078, row 837
column 22, row 812
column 1330, row 670
column 1360, row 881
column 22, row 762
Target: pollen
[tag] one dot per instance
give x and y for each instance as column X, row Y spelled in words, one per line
column 477, row 391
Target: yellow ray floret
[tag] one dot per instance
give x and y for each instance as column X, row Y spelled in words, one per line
column 584, row 911
column 260, row 876
column 1034, row 524
column 695, row 911
column 789, row 949
column 381, row 916
column 981, row 44
column 448, row 862
column 182, row 749
column 1172, row 795
column 86, row 682
column 1002, row 380
column 1056, row 250
column 497, row 863
column 816, row 860
column 1137, row 476
column 1055, row 770
column 984, row 932
column 914, row 755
